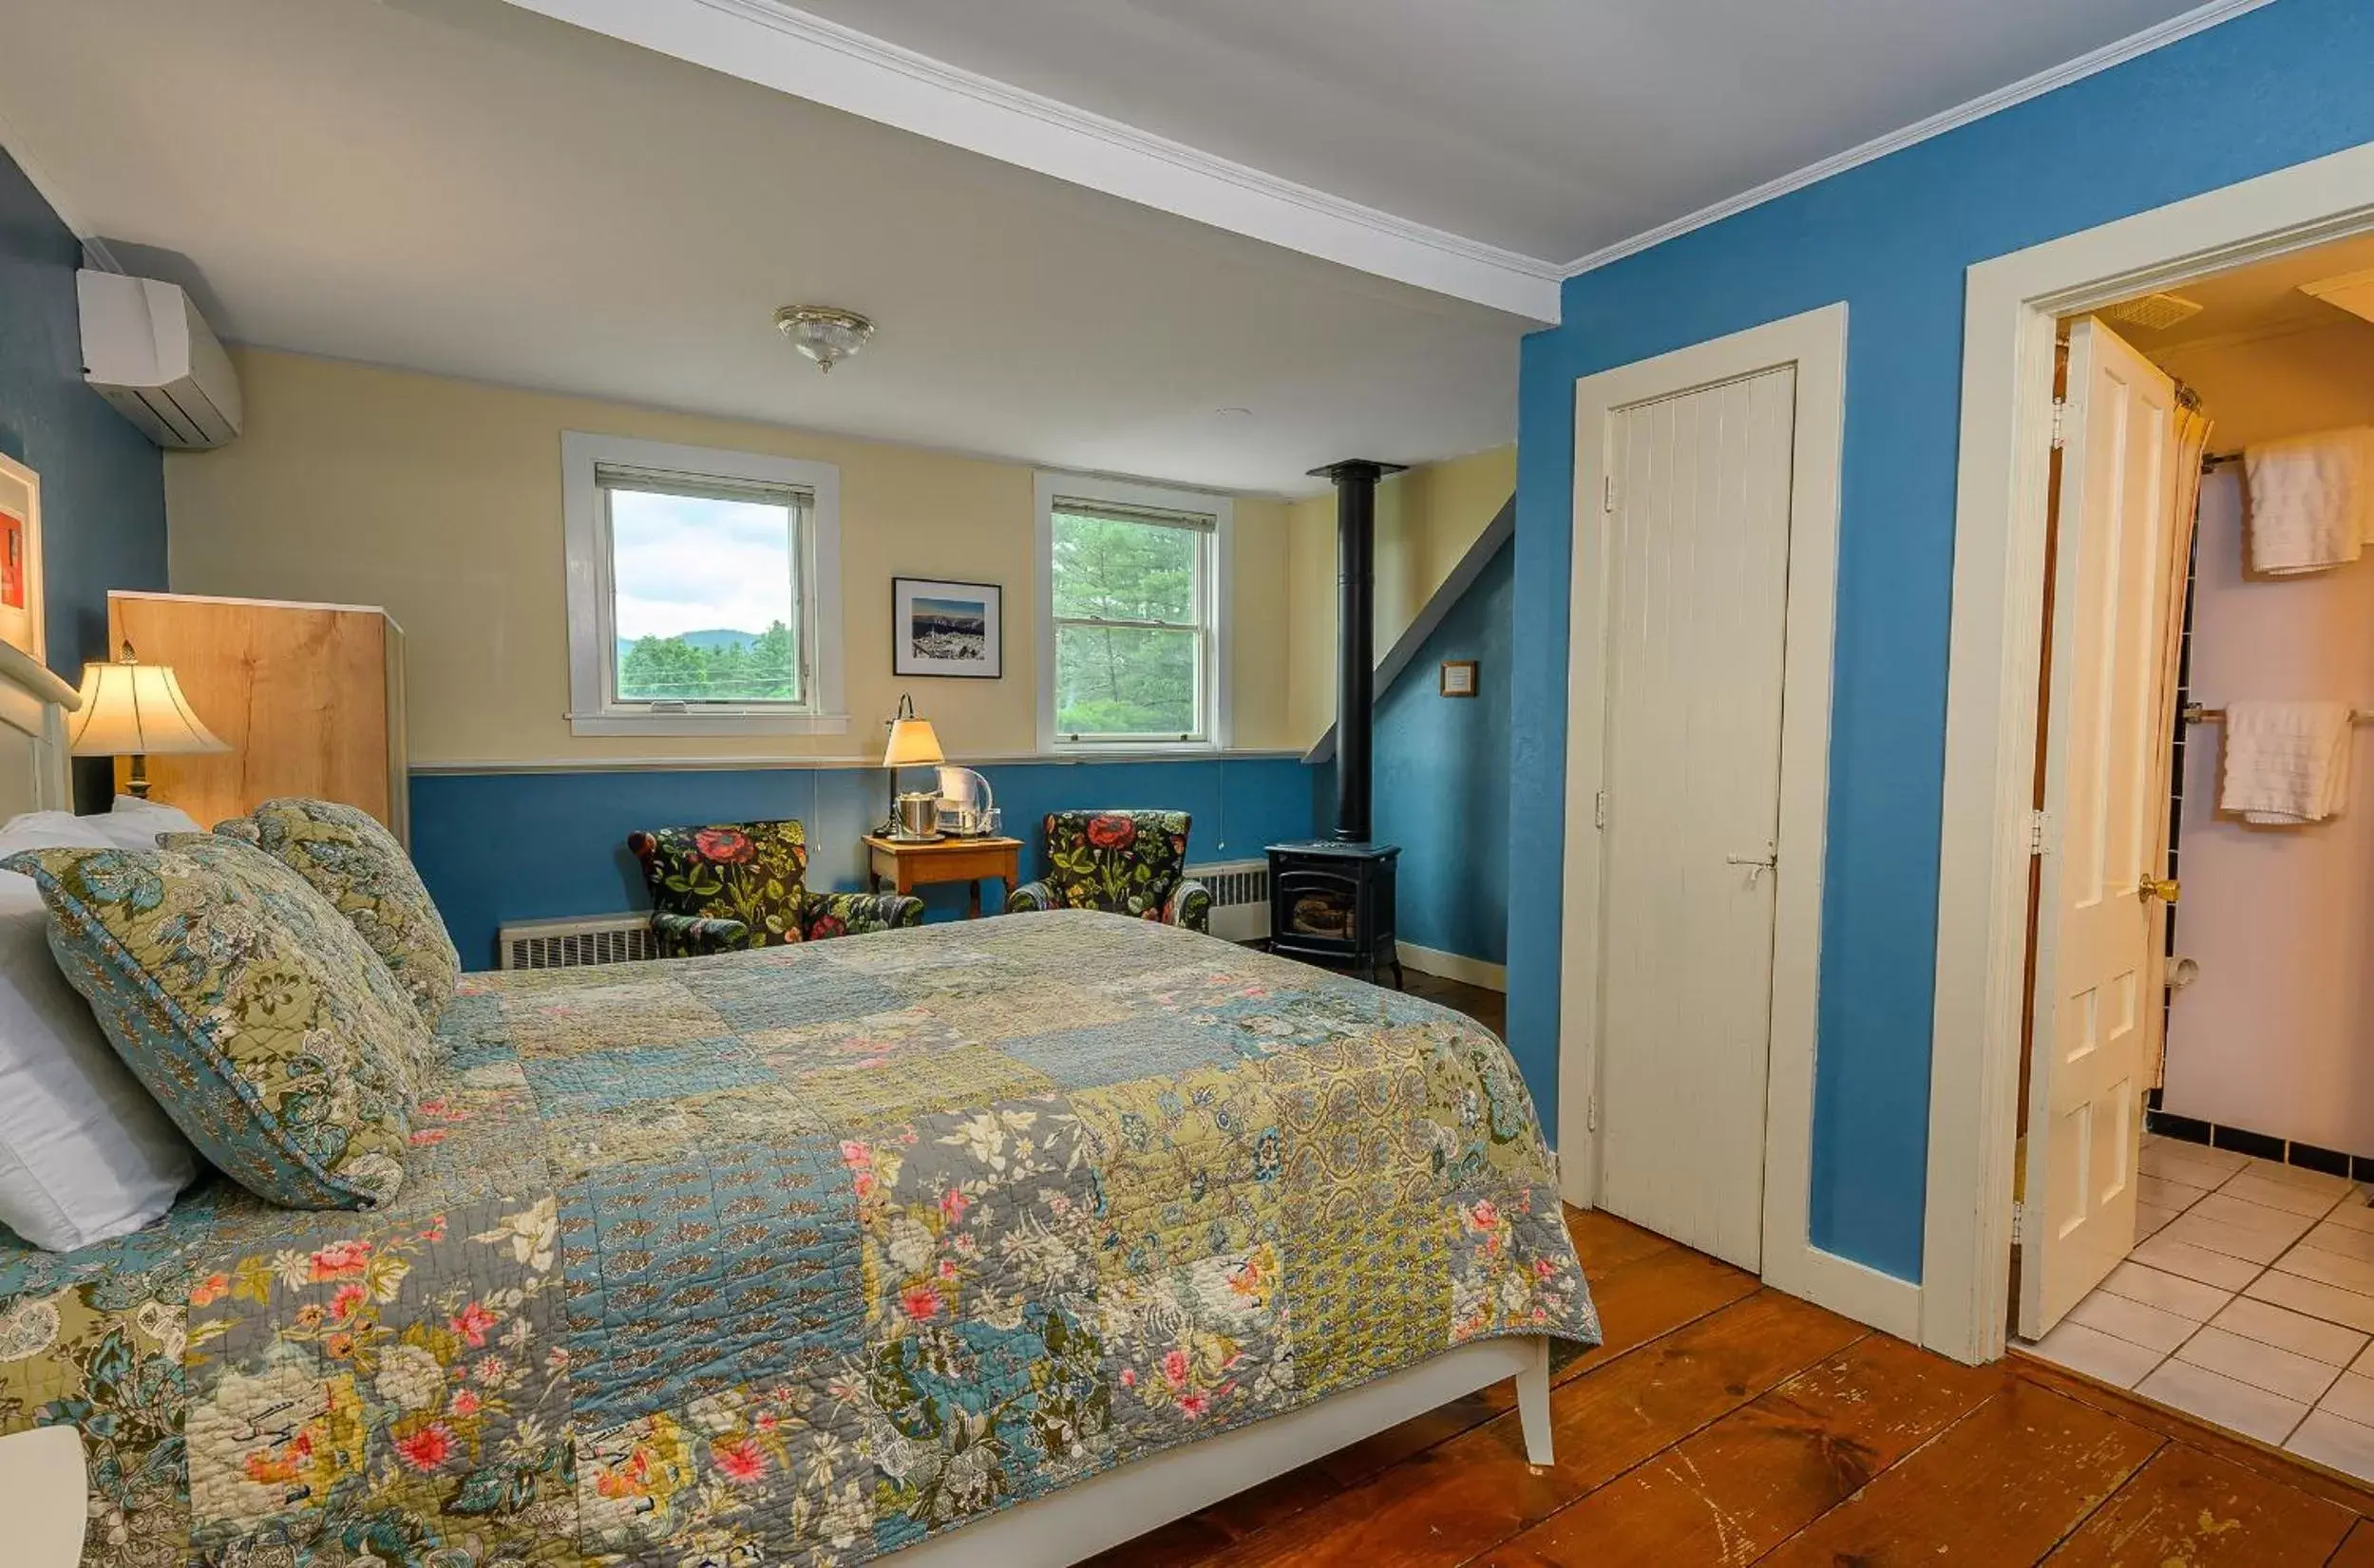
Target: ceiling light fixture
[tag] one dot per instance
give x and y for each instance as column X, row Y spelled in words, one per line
column 822, row 334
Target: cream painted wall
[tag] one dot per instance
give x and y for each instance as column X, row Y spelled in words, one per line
column 440, row 499
column 1426, row 519
column 2271, row 1038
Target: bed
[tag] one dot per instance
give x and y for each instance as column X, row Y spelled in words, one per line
column 982, row 1243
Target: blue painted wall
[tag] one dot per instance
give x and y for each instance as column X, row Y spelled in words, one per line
column 2276, row 86
column 103, row 487
column 1441, row 771
column 522, row 846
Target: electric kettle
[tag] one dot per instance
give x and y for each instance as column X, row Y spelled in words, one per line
column 965, row 804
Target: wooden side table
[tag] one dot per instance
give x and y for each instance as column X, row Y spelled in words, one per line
column 905, row 867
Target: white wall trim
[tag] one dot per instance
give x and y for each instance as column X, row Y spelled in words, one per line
column 458, row 767
column 1851, row 1289
column 2116, row 53
column 1454, row 966
column 1995, row 640
column 586, row 564
column 775, row 46
column 1816, row 343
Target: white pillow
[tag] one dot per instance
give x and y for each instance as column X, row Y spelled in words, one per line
column 86, row 1154
column 135, row 823
column 52, row 830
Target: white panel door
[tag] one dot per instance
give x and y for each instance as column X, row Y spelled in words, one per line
column 1698, row 535
column 2098, row 928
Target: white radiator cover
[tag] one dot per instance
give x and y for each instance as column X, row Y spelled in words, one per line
column 1239, row 897
column 1239, row 913
column 583, row 940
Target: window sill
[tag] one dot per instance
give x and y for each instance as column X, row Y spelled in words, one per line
column 709, row 724
column 1082, row 749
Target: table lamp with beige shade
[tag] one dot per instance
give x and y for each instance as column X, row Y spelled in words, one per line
column 137, row 710
column 913, row 744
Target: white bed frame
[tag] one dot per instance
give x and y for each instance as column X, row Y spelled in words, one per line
column 40, row 1470
column 33, row 706
column 1080, row 1521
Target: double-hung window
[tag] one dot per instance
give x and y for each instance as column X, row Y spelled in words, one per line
column 1132, row 615
column 702, row 591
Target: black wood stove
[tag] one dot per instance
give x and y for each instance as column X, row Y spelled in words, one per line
column 1331, row 900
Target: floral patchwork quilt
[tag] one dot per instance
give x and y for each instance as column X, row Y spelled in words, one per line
column 802, row 1254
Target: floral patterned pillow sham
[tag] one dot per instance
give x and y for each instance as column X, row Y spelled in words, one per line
column 357, row 864
column 254, row 1014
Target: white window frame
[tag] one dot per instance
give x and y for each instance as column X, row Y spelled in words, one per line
column 1213, row 590
column 593, row 708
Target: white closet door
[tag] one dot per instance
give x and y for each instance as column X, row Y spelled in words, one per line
column 1699, row 554
column 2099, row 958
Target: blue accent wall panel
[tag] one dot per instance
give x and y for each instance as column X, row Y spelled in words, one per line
column 2275, row 87
column 522, row 847
column 1441, row 774
column 102, row 489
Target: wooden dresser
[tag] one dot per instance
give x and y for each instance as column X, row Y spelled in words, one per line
column 310, row 697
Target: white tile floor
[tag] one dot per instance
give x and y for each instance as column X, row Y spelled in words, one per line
column 2248, row 1301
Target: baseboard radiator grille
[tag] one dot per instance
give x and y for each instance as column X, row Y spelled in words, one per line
column 1239, row 897
column 566, row 944
column 1239, row 912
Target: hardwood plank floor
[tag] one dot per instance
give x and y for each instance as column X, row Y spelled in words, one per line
column 1725, row 1424
column 1488, row 1007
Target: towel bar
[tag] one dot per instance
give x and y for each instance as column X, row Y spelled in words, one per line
column 2195, row 713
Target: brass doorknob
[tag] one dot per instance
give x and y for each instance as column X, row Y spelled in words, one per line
column 2163, row 888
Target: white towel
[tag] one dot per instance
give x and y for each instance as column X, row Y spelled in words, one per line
column 2287, row 763
column 2311, row 500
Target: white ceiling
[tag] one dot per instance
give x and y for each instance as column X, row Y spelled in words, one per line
column 1549, row 128
column 2262, row 299
column 469, row 188
column 461, row 187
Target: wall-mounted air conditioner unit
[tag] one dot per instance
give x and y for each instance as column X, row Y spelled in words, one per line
column 147, row 351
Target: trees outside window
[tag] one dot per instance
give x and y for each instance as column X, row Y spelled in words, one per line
column 1132, row 622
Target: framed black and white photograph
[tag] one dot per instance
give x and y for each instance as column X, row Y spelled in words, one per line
column 946, row 628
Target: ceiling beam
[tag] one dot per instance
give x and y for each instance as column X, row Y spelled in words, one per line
column 792, row 51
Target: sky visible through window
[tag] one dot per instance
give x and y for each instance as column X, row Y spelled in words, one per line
column 703, row 601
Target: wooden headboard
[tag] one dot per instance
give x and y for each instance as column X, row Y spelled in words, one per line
column 33, row 706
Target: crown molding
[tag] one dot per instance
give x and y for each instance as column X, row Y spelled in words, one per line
column 774, row 46
column 2200, row 19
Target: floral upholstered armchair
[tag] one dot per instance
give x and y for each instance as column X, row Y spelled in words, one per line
column 743, row 884
column 1125, row 862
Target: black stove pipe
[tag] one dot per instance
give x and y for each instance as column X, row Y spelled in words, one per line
column 1355, row 620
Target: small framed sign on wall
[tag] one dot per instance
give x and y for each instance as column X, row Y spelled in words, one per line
column 946, row 628
column 20, row 559
column 1458, row 678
